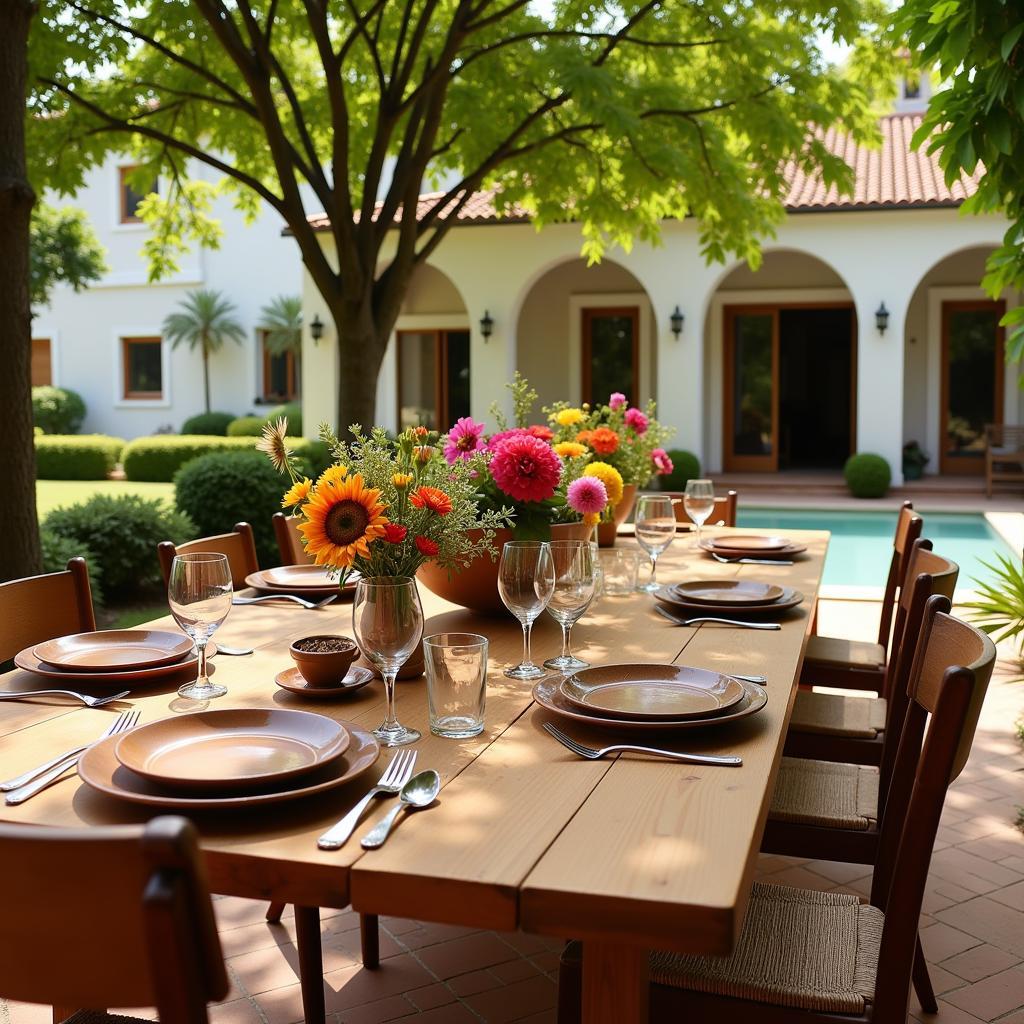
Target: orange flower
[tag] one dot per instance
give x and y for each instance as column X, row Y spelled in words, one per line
column 583, row 437
column 423, row 452
column 432, row 498
column 603, row 440
column 343, row 517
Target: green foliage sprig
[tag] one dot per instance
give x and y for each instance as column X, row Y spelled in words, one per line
column 999, row 607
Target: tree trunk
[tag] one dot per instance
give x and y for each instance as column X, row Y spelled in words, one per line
column 206, row 377
column 19, row 528
column 360, row 354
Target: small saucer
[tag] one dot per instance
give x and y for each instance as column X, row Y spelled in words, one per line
column 291, row 679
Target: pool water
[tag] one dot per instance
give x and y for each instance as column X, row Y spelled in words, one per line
column 861, row 544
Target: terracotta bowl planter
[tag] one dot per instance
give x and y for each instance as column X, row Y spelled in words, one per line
column 476, row 586
column 324, row 668
column 607, row 532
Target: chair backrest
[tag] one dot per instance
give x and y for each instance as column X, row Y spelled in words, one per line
column 109, row 917
column 723, row 514
column 39, row 608
column 952, row 668
column 1005, row 435
column 908, row 528
column 289, row 540
column 239, row 546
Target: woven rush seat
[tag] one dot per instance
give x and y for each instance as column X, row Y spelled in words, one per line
column 839, row 653
column 99, row 1017
column 831, row 714
column 798, row 948
column 824, row 793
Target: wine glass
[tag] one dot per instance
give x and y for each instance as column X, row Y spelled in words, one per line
column 526, row 580
column 699, row 502
column 655, row 530
column 576, row 577
column 388, row 622
column 199, row 593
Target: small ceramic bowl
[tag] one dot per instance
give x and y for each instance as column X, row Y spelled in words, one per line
column 324, row 668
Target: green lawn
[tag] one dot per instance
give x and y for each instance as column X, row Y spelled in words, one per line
column 51, row 494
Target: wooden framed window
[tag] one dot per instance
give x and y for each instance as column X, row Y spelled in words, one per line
column 142, row 368
column 433, row 378
column 129, row 199
column 42, row 365
column 280, row 374
column 611, row 352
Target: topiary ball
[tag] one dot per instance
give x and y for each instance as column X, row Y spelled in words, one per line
column 292, row 412
column 212, row 424
column 685, row 466
column 867, row 475
column 57, row 410
column 245, row 426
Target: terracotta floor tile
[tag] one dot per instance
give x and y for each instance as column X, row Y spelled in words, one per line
column 839, row 872
column 989, row 921
column 544, row 1017
column 799, row 877
column 282, row 1005
column 476, row 981
column 250, row 937
column 265, row 969
column 514, row 970
column 992, row 997
column 529, row 944
column 353, row 986
column 1011, row 896
column 390, row 1008
column 958, row 865
column 942, row 940
column 980, row 962
column 429, row 996
column 469, row 953
column 455, row 1013
column 424, row 935
column 238, row 1011
column 519, row 1000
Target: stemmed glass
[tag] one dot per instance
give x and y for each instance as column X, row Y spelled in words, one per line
column 526, row 581
column 655, row 530
column 576, row 579
column 699, row 502
column 388, row 622
column 199, row 593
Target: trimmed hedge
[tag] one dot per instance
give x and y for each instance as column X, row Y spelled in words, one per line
column 685, row 466
column 58, row 551
column 76, row 456
column 57, row 410
column 292, row 412
column 209, row 423
column 245, row 426
column 867, row 475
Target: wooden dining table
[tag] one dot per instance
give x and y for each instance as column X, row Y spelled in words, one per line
column 628, row 853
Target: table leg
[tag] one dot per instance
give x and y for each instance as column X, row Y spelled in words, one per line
column 616, row 983
column 311, row 963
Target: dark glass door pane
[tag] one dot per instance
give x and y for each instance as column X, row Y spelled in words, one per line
column 417, row 379
column 612, row 345
column 752, row 384
column 457, row 378
column 145, row 370
column 972, row 345
column 277, row 376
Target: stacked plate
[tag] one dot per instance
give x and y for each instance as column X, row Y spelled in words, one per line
column 749, row 545
column 728, row 597
column 233, row 757
column 310, row 581
column 120, row 658
column 650, row 697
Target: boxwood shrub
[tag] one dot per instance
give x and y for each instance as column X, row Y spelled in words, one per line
column 245, row 426
column 57, row 410
column 292, row 412
column 685, row 466
column 210, row 423
column 160, row 456
column 58, row 551
column 76, row 456
column 867, row 475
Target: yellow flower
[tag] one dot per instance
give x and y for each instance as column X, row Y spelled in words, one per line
column 343, row 517
column 610, row 477
column 402, row 480
column 569, row 417
column 592, row 519
column 298, row 492
column 332, row 474
column 570, row 450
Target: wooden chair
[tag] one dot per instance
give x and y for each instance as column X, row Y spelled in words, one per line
column 289, row 540
column 857, row 664
column 828, row 958
column 114, row 916
column 239, row 546
column 39, row 608
column 833, row 727
column 723, row 514
column 1004, row 455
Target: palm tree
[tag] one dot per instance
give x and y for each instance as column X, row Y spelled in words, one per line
column 205, row 321
column 281, row 318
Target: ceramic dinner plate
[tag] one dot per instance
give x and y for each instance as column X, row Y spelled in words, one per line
column 547, row 693
column 291, row 679
column 124, row 678
column 790, row 599
column 651, row 692
column 113, row 650
column 231, row 748
column 749, row 542
column 100, row 770
column 728, row 591
column 305, row 580
column 712, row 548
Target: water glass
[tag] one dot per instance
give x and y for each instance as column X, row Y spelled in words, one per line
column 388, row 622
column 456, row 665
column 526, row 581
column 575, row 586
column 619, row 568
column 699, row 502
column 655, row 530
column 199, row 594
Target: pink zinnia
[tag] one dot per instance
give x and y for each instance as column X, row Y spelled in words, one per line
column 504, row 435
column 662, row 463
column 637, row 420
column 526, row 468
column 465, row 438
column 617, row 401
column 587, row 495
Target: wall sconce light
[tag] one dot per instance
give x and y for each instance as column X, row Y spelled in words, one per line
column 486, row 325
column 676, row 319
column 881, row 318
column 316, row 327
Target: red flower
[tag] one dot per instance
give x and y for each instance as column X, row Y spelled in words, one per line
column 538, row 430
column 394, row 533
column 433, row 498
column 526, row 468
column 426, row 546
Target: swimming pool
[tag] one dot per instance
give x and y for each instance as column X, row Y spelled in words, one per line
column 861, row 544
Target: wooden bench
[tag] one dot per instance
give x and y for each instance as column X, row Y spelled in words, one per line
column 1004, row 455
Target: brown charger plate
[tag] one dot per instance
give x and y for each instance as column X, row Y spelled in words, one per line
column 790, row 599
column 304, row 580
column 231, row 748
column 291, row 679
column 30, row 663
column 113, row 650
column 100, row 770
column 750, row 542
column 651, row 692
column 771, row 553
column 729, row 592
column 547, row 694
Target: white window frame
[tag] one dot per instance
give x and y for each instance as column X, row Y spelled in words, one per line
column 145, row 331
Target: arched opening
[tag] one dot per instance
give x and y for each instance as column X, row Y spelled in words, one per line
column 584, row 332
column 781, row 352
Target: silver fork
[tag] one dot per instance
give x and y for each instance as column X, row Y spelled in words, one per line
column 285, row 597
column 398, row 773
column 594, row 753
column 89, row 702
column 750, row 561
column 680, row 621
column 125, row 721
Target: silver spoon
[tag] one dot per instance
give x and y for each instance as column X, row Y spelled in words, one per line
column 419, row 792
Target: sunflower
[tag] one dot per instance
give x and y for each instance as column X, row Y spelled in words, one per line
column 610, row 477
column 343, row 517
column 297, row 493
column 332, row 474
